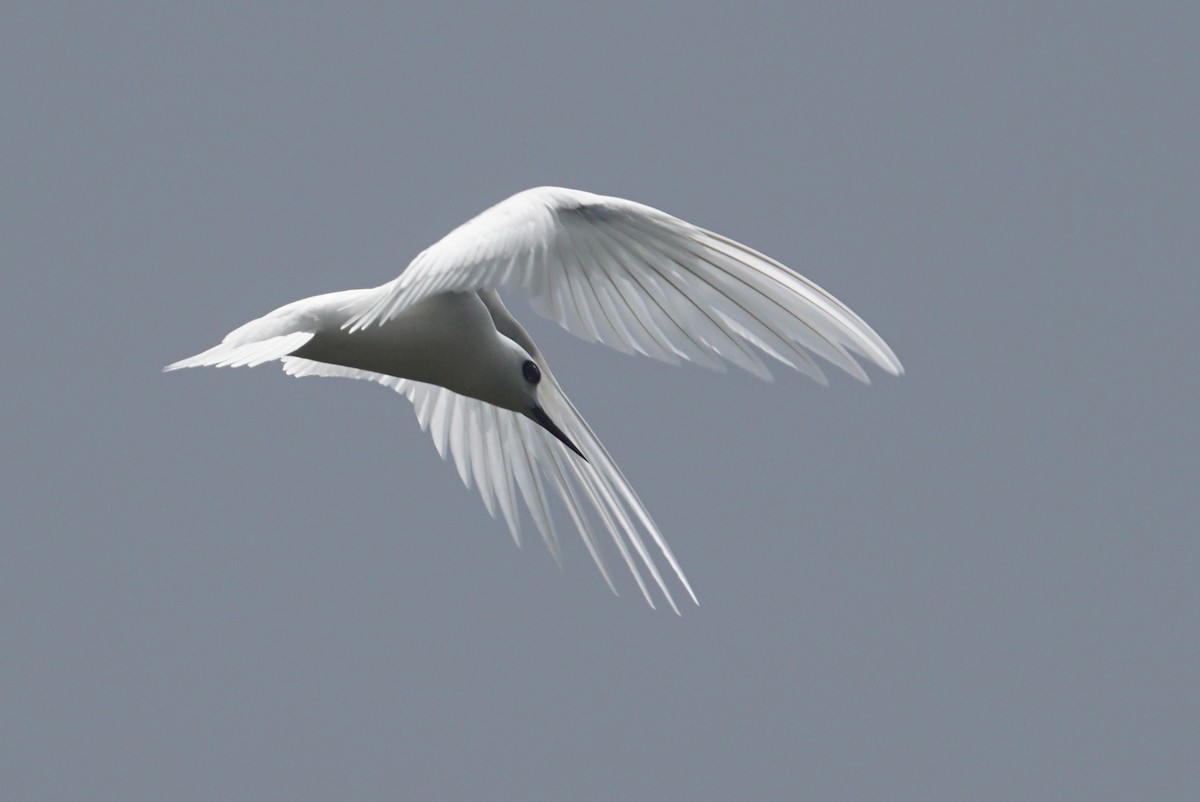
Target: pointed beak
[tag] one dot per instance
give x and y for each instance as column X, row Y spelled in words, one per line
column 539, row 415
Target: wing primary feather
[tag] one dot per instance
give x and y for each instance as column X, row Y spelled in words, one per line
column 720, row 339
column 536, row 278
column 634, row 302
column 860, row 336
column 499, row 473
column 570, row 500
column 577, row 317
column 437, row 422
column 542, row 295
column 423, row 399
column 640, row 511
column 815, row 331
column 575, row 425
column 227, row 354
column 683, row 341
column 606, row 331
column 740, row 278
column 458, row 440
column 587, row 485
column 664, row 249
column 739, row 307
column 477, row 440
column 603, row 497
column 735, row 289
column 530, row 483
column 620, row 320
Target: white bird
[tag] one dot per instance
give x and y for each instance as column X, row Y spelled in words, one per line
column 608, row 270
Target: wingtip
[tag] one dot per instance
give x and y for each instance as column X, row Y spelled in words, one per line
column 674, row 607
column 886, row 358
column 179, row 365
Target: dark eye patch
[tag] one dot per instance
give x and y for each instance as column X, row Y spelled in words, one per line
column 532, row 374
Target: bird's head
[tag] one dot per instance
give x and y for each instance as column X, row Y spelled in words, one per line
column 522, row 385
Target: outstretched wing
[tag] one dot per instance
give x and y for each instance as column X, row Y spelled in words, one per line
column 639, row 280
column 274, row 335
column 236, row 355
column 506, row 456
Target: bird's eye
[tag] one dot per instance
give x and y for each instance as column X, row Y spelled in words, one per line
column 532, row 374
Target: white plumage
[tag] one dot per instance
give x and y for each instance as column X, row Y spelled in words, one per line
column 608, row 270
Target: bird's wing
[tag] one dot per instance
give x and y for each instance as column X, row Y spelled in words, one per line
column 506, row 456
column 274, row 335
column 639, row 280
column 237, row 354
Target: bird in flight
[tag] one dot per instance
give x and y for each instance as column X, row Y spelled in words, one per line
column 608, row 270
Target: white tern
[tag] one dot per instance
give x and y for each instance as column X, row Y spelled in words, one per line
column 608, row 270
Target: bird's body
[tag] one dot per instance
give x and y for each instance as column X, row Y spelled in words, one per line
column 448, row 339
column 608, row 270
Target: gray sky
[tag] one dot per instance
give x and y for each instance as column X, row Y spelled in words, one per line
column 975, row 582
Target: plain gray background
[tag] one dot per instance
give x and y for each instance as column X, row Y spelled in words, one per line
column 975, row 582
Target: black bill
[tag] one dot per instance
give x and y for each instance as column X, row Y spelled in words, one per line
column 539, row 415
